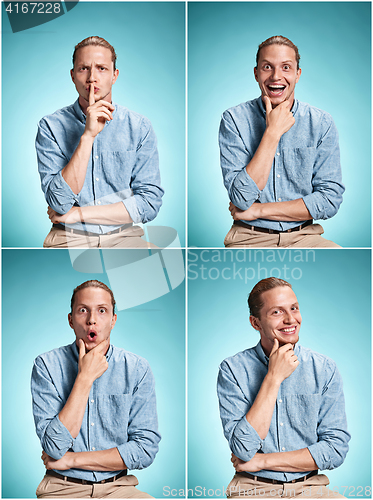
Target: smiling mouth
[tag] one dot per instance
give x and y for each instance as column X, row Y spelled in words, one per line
column 288, row 331
column 276, row 89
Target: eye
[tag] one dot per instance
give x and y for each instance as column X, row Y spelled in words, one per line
column 267, row 66
column 102, row 310
column 82, row 310
column 286, row 67
column 276, row 312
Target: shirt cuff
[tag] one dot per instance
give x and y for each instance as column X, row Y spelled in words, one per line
column 57, row 439
column 245, row 440
column 130, row 455
column 131, row 206
column 244, row 191
column 60, row 195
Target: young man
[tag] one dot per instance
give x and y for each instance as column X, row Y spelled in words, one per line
column 280, row 159
column 98, row 161
column 281, row 405
column 94, row 407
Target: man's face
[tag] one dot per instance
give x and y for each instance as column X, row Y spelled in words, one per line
column 277, row 73
column 93, row 65
column 92, row 318
column 280, row 318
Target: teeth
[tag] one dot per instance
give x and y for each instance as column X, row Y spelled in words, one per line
column 288, row 330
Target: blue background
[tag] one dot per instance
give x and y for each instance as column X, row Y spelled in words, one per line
column 334, row 292
column 335, row 47
column 37, row 288
column 149, row 39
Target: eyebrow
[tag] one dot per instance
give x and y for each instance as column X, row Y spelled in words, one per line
column 283, row 62
column 98, row 305
column 280, row 307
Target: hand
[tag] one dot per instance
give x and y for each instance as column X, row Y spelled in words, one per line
column 250, row 466
column 93, row 364
column 61, row 464
column 250, row 214
column 69, row 217
column 98, row 113
column 282, row 361
column 280, row 119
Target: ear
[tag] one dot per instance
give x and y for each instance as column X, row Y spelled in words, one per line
column 70, row 318
column 72, row 75
column 113, row 321
column 116, row 73
column 299, row 72
column 256, row 74
column 255, row 323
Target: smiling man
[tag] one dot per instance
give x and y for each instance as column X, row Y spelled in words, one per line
column 281, row 405
column 98, row 161
column 280, row 159
column 94, row 407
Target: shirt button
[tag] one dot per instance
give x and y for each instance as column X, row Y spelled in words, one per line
column 278, row 154
column 99, row 203
column 278, row 176
column 281, row 424
column 93, row 448
column 92, row 400
column 96, row 157
column 280, row 400
column 92, row 424
column 283, row 449
column 97, row 179
column 279, row 199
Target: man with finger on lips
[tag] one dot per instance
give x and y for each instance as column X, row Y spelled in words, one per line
column 94, row 407
column 280, row 159
column 281, row 405
column 98, row 161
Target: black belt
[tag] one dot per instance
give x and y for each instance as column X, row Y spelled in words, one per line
column 272, row 231
column 275, row 481
column 83, row 481
column 88, row 233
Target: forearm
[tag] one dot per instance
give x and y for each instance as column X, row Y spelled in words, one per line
column 75, row 171
column 103, row 460
column 260, row 414
column 261, row 163
column 116, row 213
column 282, row 211
column 71, row 415
column 288, row 461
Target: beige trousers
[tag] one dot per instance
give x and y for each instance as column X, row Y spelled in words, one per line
column 124, row 487
column 128, row 238
column 315, row 487
column 308, row 237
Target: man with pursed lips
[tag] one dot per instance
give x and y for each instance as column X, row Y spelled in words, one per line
column 281, row 405
column 280, row 159
column 94, row 407
column 98, row 161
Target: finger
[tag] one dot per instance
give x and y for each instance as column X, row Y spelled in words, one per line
column 107, row 104
column 275, row 346
column 91, row 98
column 82, row 350
column 267, row 102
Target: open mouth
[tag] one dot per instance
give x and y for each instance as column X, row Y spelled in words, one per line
column 92, row 335
column 276, row 89
column 288, row 331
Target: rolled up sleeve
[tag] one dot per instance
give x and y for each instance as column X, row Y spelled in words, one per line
column 332, row 446
column 328, row 189
column 51, row 161
column 243, row 439
column 146, row 201
column 234, row 157
column 54, row 437
column 143, row 437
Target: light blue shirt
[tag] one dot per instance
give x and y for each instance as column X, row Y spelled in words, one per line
column 123, row 165
column 121, row 409
column 306, row 163
column 309, row 410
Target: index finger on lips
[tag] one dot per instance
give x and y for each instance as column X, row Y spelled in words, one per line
column 91, row 98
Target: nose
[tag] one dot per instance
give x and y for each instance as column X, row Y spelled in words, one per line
column 91, row 76
column 91, row 319
column 276, row 73
column 289, row 318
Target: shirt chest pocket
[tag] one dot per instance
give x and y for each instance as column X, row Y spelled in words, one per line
column 117, row 168
column 113, row 411
column 302, row 411
column 299, row 166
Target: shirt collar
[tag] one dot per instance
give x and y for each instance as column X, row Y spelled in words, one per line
column 75, row 351
column 262, row 107
column 82, row 117
column 264, row 358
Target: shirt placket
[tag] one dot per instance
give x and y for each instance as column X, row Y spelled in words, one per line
column 96, row 174
column 92, row 422
column 277, row 171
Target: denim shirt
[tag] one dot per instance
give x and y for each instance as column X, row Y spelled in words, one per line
column 306, row 164
column 123, row 165
column 309, row 410
column 121, row 409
